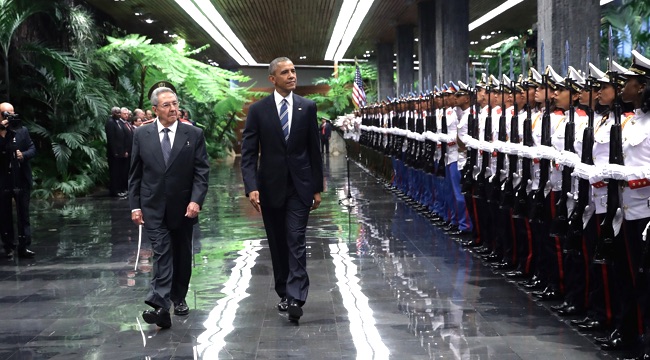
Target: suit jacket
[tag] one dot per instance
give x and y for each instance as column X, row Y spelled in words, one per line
column 118, row 138
column 328, row 130
column 163, row 192
column 298, row 158
column 26, row 146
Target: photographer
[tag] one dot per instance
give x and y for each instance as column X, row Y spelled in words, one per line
column 16, row 150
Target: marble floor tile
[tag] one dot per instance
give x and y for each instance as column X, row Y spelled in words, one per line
column 385, row 284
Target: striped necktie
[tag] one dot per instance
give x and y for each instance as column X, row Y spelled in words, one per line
column 284, row 119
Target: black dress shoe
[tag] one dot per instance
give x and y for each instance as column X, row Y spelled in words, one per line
column 570, row 311
column 607, row 338
column 181, row 308
column 578, row 322
column 614, row 343
column 503, row 265
column 532, row 284
column 283, row 305
column 561, row 306
column 591, row 325
column 159, row 317
column 493, row 257
column 26, row 254
column 516, row 274
column 548, row 294
column 294, row 310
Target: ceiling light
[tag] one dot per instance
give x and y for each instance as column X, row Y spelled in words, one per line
column 165, row 32
column 149, row 21
column 206, row 16
column 137, row 14
column 493, row 13
column 416, row 39
column 347, row 24
column 603, row 2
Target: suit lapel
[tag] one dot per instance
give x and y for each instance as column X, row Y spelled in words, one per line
column 154, row 143
column 296, row 117
column 180, row 139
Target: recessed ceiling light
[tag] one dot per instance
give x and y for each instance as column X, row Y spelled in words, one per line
column 493, row 13
column 149, row 21
column 165, row 32
column 207, row 17
column 347, row 24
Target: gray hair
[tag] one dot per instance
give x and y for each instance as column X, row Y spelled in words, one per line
column 158, row 91
column 115, row 109
column 125, row 109
column 274, row 64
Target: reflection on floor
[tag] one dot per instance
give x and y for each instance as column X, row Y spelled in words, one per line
column 386, row 284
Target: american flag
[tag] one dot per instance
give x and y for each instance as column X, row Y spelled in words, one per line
column 358, row 95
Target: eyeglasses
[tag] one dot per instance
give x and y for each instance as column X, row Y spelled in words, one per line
column 166, row 106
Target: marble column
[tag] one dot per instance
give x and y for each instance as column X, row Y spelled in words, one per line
column 562, row 20
column 426, row 45
column 452, row 34
column 386, row 84
column 405, row 51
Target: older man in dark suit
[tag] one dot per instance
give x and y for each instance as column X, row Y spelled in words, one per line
column 283, row 127
column 168, row 182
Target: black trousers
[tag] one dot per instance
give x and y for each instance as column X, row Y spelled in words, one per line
column 285, row 230
column 118, row 171
column 325, row 145
column 172, row 265
column 21, row 197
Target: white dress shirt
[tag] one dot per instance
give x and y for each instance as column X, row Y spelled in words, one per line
column 172, row 132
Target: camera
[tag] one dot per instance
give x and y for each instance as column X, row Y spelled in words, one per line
column 13, row 119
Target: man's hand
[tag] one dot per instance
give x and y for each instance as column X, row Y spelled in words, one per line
column 19, row 155
column 316, row 202
column 193, row 210
column 136, row 217
column 254, row 198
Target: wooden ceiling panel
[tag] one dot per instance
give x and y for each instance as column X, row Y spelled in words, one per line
column 296, row 28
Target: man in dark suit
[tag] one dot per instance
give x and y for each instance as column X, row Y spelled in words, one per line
column 325, row 135
column 168, row 182
column 118, row 145
column 283, row 127
column 16, row 150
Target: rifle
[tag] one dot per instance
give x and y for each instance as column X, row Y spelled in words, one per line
column 433, row 127
column 495, row 182
column 537, row 210
column 508, row 193
column 520, row 206
column 472, row 130
column 576, row 222
column 419, row 145
column 610, row 227
column 401, row 124
column 481, row 181
column 443, row 149
column 560, row 224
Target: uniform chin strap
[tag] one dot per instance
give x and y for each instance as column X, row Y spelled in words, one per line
column 645, row 232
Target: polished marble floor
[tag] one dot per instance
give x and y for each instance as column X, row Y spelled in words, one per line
column 386, row 284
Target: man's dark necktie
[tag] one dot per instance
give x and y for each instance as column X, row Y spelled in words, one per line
column 284, row 119
column 166, row 145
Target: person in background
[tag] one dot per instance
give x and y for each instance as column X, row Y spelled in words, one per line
column 325, row 135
